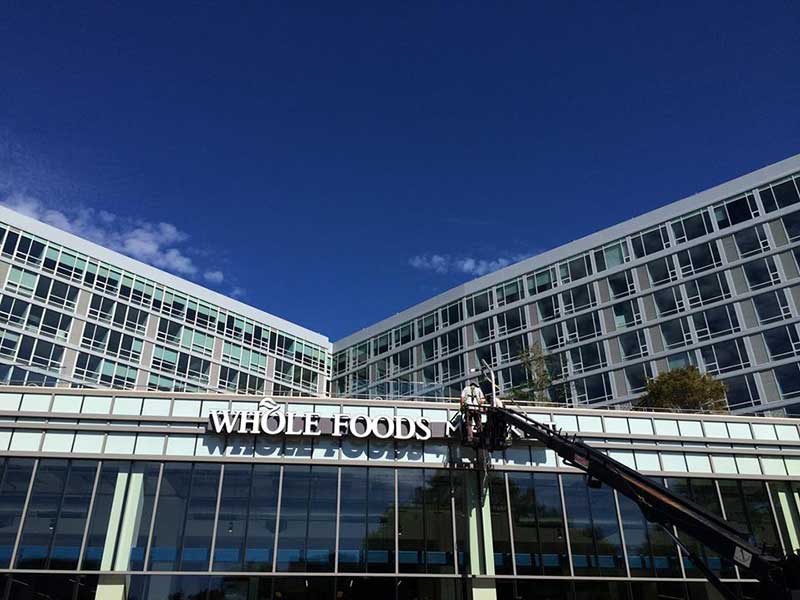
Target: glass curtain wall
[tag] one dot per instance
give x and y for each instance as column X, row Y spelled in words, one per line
column 407, row 525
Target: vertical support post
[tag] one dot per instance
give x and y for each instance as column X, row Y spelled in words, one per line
column 123, row 529
column 481, row 544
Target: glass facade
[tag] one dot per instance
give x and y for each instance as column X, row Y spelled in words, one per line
column 715, row 284
column 103, row 495
column 72, row 315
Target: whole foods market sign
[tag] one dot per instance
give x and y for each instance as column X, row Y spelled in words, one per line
column 270, row 419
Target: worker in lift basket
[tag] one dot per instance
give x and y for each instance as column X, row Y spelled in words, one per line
column 471, row 399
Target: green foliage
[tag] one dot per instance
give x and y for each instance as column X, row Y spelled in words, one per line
column 685, row 389
column 535, row 389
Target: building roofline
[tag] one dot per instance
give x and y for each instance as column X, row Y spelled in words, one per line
column 93, row 250
column 651, row 218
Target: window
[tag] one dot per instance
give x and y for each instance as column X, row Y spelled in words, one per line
column 239, row 356
column 102, row 339
column 511, row 348
column 549, row 308
column 578, row 298
column 692, row 226
column 722, row 358
column 637, row 376
column 401, row 361
column 682, row 360
column 676, row 333
column 552, row 336
column 479, row 303
column 583, row 327
column 748, row 508
column 21, row 281
column 779, row 195
column 56, row 293
column 751, row 241
column 340, row 362
column 662, row 270
column 588, row 357
column 247, row 383
column 733, row 212
column 53, row 530
column 626, row 314
column 452, row 368
column 484, row 329
column 537, row 522
column 595, row 388
column 761, row 273
column 366, row 522
column 450, row 342
column 105, row 279
column 404, row 334
column 511, row 321
column 15, row 476
column 99, row 370
column 13, row 311
column 594, row 533
column 788, row 378
column 29, row 250
column 424, row 521
column 650, row 242
column 782, row 342
column 184, row 517
column 101, row 308
column 509, row 293
column 772, row 306
column 792, row 224
column 361, row 353
column 425, row 326
column 707, row 289
column 612, row 255
column 180, row 364
column 716, row 322
column 633, row 345
column 452, row 314
column 40, row 353
column 668, row 301
column 247, row 513
column 699, row 258
column 741, row 391
column 542, row 281
column 621, row 284
column 575, row 269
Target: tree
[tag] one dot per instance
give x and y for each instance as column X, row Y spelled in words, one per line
column 535, row 389
column 685, row 389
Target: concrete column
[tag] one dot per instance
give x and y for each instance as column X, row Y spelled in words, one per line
column 112, row 587
column 123, row 528
column 481, row 544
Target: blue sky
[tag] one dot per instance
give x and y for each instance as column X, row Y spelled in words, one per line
column 335, row 163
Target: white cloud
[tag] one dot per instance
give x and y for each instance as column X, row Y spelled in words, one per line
column 237, row 292
column 444, row 264
column 160, row 244
column 214, row 276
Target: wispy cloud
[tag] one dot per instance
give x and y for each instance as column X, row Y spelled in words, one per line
column 446, row 264
column 160, row 244
column 214, row 276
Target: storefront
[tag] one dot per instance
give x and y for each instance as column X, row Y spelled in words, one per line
column 153, row 496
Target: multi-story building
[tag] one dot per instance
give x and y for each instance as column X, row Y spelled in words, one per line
column 711, row 280
column 139, row 490
column 73, row 313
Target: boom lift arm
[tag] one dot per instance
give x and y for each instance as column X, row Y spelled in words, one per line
column 779, row 577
